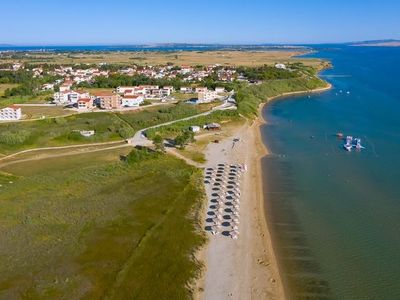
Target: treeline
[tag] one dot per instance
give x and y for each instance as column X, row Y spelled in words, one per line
column 20, row 76
column 115, row 80
column 249, row 98
column 27, row 84
column 267, row 73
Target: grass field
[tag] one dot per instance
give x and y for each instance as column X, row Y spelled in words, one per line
column 61, row 131
column 5, row 86
column 40, row 99
column 244, row 58
column 34, row 112
column 90, row 227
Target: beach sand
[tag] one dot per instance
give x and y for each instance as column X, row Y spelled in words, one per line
column 244, row 268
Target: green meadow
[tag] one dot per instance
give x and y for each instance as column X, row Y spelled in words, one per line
column 62, row 131
column 94, row 227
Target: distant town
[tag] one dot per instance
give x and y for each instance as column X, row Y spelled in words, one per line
column 69, row 83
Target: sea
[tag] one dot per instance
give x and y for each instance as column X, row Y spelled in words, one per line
column 335, row 215
column 172, row 47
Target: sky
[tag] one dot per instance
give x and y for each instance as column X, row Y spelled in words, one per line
column 103, row 22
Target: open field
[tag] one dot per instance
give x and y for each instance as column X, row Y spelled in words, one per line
column 40, row 99
column 243, row 58
column 61, row 131
column 89, row 227
column 4, row 86
column 34, row 112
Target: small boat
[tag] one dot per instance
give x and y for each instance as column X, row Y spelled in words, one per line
column 348, row 145
column 339, row 135
column 358, row 144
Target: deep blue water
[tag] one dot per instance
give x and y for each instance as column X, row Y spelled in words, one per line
column 336, row 215
column 155, row 47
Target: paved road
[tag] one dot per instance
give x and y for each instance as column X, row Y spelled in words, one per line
column 140, row 139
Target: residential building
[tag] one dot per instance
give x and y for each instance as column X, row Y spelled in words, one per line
column 10, row 113
column 69, row 97
column 66, row 86
column 206, row 97
column 108, row 100
column 85, row 103
column 186, row 90
column 220, row 90
column 132, row 100
column 201, row 89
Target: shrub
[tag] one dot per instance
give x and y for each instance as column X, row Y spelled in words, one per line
column 14, row 137
column 126, row 132
column 140, row 154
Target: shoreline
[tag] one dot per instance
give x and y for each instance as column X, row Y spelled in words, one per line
column 247, row 267
column 304, row 92
column 260, row 120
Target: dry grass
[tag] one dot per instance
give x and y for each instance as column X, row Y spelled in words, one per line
column 245, row 58
column 35, row 112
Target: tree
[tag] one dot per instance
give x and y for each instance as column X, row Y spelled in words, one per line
column 185, row 138
column 158, row 142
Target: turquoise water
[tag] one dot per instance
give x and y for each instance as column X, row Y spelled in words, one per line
column 335, row 215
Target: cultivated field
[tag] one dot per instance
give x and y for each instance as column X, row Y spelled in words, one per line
column 92, row 227
column 238, row 58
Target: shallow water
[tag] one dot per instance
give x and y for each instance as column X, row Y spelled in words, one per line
column 335, row 215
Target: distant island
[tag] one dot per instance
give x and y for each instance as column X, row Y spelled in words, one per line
column 378, row 43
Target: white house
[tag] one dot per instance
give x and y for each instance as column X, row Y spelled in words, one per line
column 220, row 90
column 10, row 113
column 125, row 89
column 280, row 66
column 194, row 128
column 206, row 97
column 167, row 90
column 186, row 89
column 48, row 86
column 66, row 86
column 69, row 97
column 132, row 101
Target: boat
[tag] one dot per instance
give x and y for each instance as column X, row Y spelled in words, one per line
column 339, row 135
column 348, row 145
column 351, row 143
column 358, row 145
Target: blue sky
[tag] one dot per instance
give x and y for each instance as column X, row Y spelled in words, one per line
column 44, row 22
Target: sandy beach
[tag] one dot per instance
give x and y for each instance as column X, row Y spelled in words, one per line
column 244, row 268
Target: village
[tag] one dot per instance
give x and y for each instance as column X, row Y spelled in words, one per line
column 72, row 86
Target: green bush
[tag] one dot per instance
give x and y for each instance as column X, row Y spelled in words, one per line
column 126, row 132
column 140, row 154
column 14, row 137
